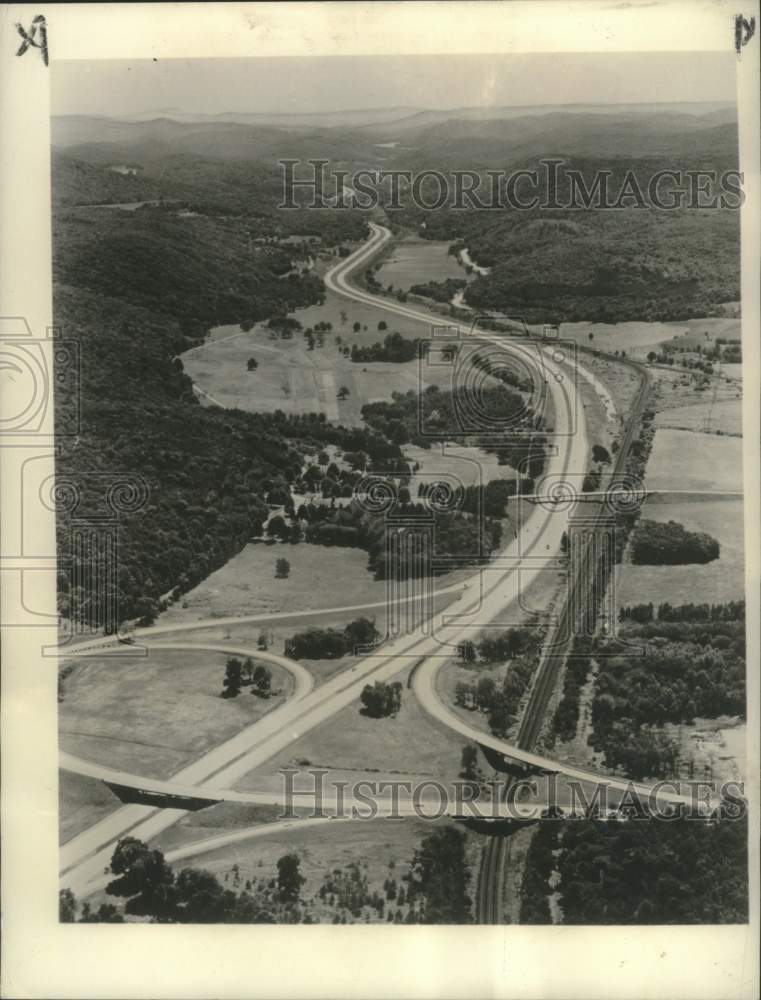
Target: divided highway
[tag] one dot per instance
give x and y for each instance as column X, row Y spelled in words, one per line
column 488, row 593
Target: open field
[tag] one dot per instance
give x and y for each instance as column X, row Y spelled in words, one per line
column 455, row 463
column 416, row 261
column 153, row 714
column 296, row 380
column 212, row 821
column 638, row 338
column 352, row 746
column 681, row 460
column 320, row 577
column 712, row 583
column 82, row 801
column 723, row 416
column 714, row 749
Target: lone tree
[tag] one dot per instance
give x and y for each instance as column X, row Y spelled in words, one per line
column 381, row 699
column 357, row 327
column 252, row 364
column 383, row 325
column 469, row 763
column 248, row 669
column 262, row 679
column 282, row 569
column 343, row 392
column 289, row 878
column 233, row 678
column 600, row 454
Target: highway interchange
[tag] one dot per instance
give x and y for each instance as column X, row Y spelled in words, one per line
column 485, row 595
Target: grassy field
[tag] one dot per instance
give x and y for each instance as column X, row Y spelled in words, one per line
column 638, row 338
column 217, row 819
column 153, row 714
column 416, row 261
column 681, row 460
column 352, row 746
column 723, row 416
column 320, row 577
column 82, row 801
column 717, row 581
column 296, row 380
column 381, row 848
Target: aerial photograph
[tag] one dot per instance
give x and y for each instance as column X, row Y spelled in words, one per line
column 399, row 491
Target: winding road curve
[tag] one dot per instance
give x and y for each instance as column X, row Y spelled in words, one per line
column 485, row 595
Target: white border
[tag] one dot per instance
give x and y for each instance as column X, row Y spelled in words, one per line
column 43, row 958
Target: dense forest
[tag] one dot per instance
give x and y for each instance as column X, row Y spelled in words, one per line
column 639, row 872
column 565, row 264
column 198, row 270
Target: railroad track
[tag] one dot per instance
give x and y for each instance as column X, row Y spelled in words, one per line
column 592, row 571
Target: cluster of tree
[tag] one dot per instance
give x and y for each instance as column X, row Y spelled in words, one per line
column 348, row 891
column 439, row 878
column 448, row 414
column 330, row 643
column 521, row 647
column 283, row 326
column 68, row 909
column 565, row 718
column 659, row 543
column 687, row 669
column 439, row 291
column 503, row 370
column 238, row 673
column 394, row 347
column 381, row 700
column 635, row 466
column 650, row 872
column 489, row 500
column 539, row 865
column 642, row 613
column 456, row 535
column 153, row 890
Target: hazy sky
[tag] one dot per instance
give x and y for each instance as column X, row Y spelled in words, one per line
column 116, row 87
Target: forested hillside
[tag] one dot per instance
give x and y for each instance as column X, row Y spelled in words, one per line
column 134, row 289
column 196, row 268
